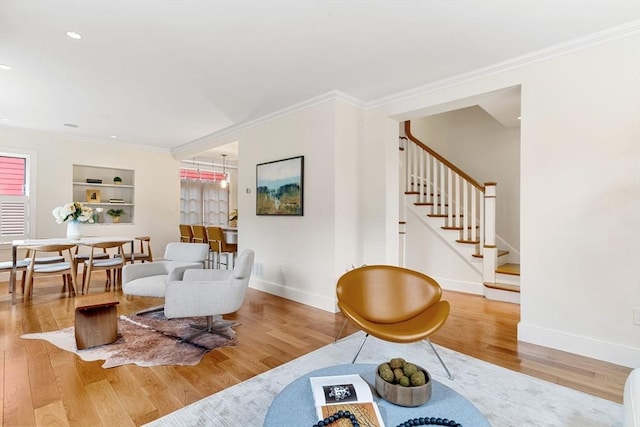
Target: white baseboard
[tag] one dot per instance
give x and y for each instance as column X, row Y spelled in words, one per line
column 460, row 286
column 306, row 298
column 583, row 346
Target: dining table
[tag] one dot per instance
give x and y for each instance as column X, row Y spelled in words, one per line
column 17, row 244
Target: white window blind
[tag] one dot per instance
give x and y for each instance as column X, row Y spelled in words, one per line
column 14, row 198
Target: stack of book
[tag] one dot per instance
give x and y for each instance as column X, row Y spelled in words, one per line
column 116, row 200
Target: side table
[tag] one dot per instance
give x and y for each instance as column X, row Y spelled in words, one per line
column 96, row 320
column 294, row 404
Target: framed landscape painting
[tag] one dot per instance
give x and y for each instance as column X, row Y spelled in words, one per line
column 279, row 187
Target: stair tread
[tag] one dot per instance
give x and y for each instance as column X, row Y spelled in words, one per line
column 513, row 269
column 500, row 253
column 503, row 287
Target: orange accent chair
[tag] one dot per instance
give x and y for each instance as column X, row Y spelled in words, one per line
column 393, row 304
column 186, row 233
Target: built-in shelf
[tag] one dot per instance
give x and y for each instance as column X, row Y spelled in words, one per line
column 97, row 195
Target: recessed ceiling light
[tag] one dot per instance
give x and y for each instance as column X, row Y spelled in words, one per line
column 71, row 125
column 74, row 35
column 4, row 67
column 113, row 137
column 4, row 120
column 519, row 117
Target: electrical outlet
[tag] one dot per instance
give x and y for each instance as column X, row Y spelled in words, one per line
column 636, row 316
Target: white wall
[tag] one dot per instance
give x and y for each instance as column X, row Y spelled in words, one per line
column 301, row 257
column 580, row 194
column 157, row 191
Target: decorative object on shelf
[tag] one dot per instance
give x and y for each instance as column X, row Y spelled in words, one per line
column 117, row 180
column 94, row 181
column 116, row 200
column 74, row 214
column 115, row 214
column 233, row 218
column 97, row 213
column 93, row 196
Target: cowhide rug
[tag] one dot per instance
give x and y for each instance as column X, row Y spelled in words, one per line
column 147, row 340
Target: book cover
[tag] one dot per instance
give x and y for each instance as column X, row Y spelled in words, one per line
column 348, row 393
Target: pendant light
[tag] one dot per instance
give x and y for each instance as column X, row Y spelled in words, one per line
column 223, row 183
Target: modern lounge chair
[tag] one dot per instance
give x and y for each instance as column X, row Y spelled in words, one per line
column 211, row 293
column 393, row 304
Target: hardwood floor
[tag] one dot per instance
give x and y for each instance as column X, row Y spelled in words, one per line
column 43, row 385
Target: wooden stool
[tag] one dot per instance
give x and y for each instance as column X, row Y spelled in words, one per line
column 96, row 320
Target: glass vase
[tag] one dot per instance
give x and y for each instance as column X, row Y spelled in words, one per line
column 74, row 230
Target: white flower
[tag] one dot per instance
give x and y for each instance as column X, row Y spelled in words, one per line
column 73, row 211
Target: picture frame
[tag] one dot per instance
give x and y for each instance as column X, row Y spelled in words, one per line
column 280, row 187
column 93, row 196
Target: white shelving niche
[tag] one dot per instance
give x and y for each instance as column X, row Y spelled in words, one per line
column 101, row 195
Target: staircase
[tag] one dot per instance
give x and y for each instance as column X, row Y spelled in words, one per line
column 461, row 212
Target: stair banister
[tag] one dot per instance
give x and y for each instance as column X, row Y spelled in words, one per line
column 451, row 193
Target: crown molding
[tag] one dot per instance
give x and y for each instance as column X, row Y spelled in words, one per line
column 205, row 141
column 610, row 34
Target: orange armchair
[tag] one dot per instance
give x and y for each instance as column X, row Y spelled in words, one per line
column 393, row 304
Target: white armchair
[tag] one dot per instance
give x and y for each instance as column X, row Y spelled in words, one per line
column 150, row 278
column 209, row 293
column 631, row 399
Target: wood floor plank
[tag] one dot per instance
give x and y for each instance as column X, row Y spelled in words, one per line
column 273, row 331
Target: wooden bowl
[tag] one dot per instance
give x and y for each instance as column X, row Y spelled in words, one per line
column 404, row 396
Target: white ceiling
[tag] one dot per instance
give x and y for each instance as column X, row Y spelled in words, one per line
column 166, row 73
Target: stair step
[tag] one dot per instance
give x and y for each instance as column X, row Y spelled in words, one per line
column 503, row 287
column 423, row 204
column 443, row 215
column 513, row 269
column 500, row 253
column 469, row 242
column 457, row 228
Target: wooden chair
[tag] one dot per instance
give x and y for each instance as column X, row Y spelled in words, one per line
column 66, row 268
column 145, row 251
column 186, row 233
column 100, row 264
column 79, row 258
column 199, row 234
column 393, row 304
column 218, row 245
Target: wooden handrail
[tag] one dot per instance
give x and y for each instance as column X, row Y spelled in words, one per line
column 407, row 131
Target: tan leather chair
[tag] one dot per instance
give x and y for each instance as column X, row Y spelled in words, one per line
column 218, row 245
column 199, row 234
column 186, row 233
column 393, row 304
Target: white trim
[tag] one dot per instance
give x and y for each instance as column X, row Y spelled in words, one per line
column 584, row 346
column 603, row 36
column 293, row 294
column 205, row 142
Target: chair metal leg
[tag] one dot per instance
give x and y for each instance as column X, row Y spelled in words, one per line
column 361, row 345
column 340, row 332
column 210, row 329
column 440, row 359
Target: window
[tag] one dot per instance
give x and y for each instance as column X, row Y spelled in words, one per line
column 203, row 200
column 14, row 196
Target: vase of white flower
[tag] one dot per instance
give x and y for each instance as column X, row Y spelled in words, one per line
column 74, row 214
column 74, row 230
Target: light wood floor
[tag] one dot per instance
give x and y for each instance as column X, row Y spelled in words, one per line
column 42, row 385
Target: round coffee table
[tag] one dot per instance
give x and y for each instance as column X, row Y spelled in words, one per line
column 294, row 405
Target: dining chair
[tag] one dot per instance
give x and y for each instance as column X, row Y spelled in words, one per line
column 113, row 264
column 66, row 268
column 144, row 254
column 199, row 234
column 79, row 259
column 219, row 246
column 186, row 233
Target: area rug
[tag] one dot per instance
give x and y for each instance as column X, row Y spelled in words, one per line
column 147, row 340
column 506, row 398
